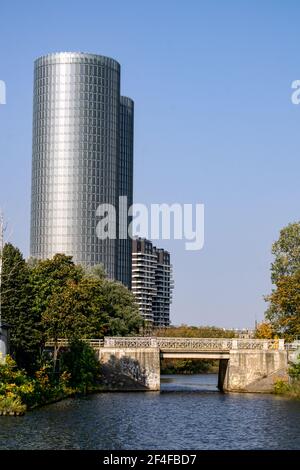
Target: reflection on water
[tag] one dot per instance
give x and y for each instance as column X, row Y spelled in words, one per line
column 189, row 383
column 189, row 414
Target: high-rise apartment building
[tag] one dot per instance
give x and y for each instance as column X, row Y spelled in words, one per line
column 164, row 285
column 152, row 281
column 82, row 157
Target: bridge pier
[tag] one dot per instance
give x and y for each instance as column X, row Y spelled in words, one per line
column 223, row 366
column 132, row 368
column 252, row 370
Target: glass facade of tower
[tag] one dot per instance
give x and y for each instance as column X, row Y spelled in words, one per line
column 125, row 187
column 76, row 156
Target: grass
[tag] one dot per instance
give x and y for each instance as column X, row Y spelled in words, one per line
column 11, row 406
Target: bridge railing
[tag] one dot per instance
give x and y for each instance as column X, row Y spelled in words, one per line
column 183, row 344
column 194, row 344
column 130, row 342
column 200, row 344
column 63, row 343
column 292, row 346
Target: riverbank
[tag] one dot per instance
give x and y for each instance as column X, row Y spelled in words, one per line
column 290, row 390
column 20, row 391
column 22, row 394
column 14, row 407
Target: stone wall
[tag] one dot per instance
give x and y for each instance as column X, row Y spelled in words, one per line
column 254, row 371
column 131, row 369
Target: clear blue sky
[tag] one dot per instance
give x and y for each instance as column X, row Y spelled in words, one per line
column 214, row 124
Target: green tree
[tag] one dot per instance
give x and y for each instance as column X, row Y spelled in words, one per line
column 284, row 309
column 51, row 276
column 77, row 311
column 16, row 301
column 123, row 315
column 286, row 251
column 48, row 278
column 91, row 308
column 283, row 312
column 54, row 298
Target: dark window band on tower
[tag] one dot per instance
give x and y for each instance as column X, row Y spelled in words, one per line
column 126, row 183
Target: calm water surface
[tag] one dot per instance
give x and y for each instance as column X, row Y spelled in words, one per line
column 189, row 413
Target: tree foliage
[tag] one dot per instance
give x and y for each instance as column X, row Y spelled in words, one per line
column 264, row 330
column 286, row 251
column 123, row 316
column 185, row 331
column 91, row 308
column 284, row 302
column 54, row 298
column 294, row 370
column 76, row 311
column 97, row 271
column 49, row 277
column 284, row 309
column 16, row 306
column 80, row 362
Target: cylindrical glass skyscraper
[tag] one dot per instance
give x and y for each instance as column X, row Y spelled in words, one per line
column 76, row 156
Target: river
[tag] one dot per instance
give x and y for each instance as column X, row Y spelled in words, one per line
column 189, row 413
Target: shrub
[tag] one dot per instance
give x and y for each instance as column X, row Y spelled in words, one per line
column 18, row 390
column 294, row 370
column 13, row 384
column 82, row 366
column 281, row 387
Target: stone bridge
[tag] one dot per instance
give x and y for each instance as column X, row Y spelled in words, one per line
column 245, row 365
